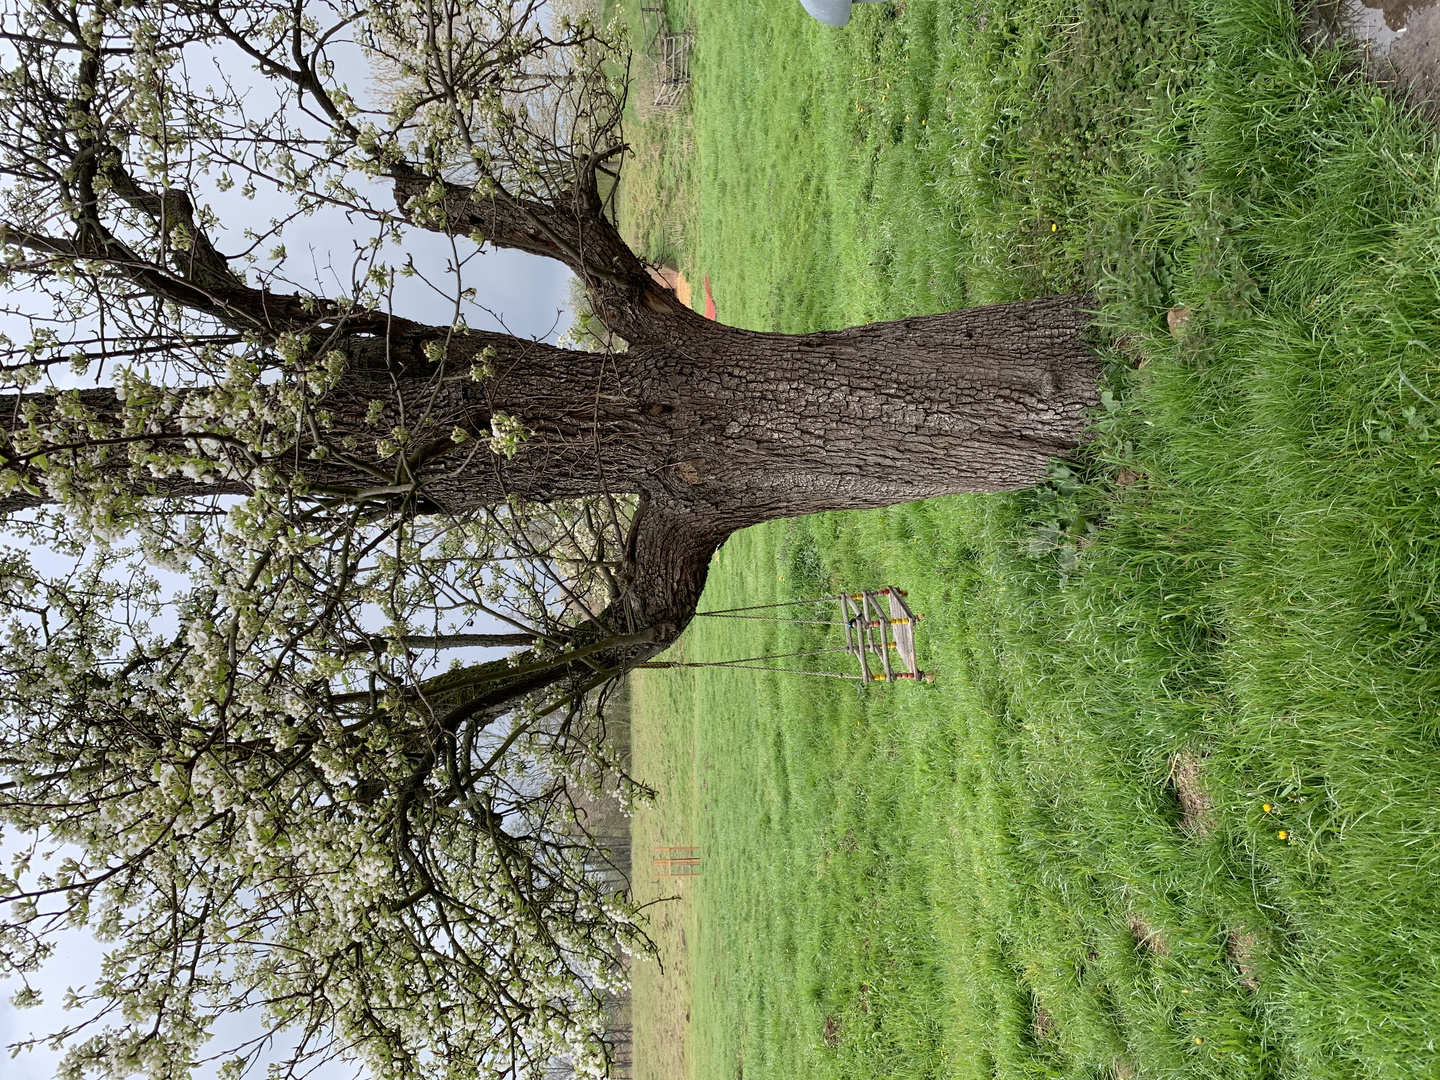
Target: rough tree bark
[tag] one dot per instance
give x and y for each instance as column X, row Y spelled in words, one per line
column 717, row 428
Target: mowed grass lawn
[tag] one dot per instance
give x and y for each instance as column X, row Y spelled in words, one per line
column 1172, row 806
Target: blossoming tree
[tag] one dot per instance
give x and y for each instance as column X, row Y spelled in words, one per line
column 264, row 787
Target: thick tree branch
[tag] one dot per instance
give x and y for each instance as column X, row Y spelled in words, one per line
column 173, row 215
column 573, row 231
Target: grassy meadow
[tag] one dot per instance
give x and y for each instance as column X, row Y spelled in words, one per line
column 1172, row 805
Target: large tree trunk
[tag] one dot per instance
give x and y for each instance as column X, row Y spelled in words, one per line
column 771, row 425
column 717, row 429
column 742, row 426
column 720, row 428
column 713, row 427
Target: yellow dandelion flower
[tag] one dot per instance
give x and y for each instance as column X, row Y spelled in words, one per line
column 1283, row 835
column 1266, row 807
column 1198, row 1040
column 1054, row 227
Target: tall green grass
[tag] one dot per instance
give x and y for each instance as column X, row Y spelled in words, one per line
column 1232, row 589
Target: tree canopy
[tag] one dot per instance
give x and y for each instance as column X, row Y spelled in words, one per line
column 238, row 560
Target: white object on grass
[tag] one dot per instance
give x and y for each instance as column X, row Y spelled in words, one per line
column 832, row 12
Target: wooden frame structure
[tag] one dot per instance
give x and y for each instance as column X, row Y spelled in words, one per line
column 677, row 862
column 670, row 53
column 879, row 626
column 672, row 61
column 879, row 630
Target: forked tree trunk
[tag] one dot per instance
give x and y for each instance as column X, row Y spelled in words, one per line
column 720, row 428
column 715, row 429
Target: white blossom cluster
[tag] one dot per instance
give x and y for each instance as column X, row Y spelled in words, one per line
column 273, row 801
column 273, row 805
